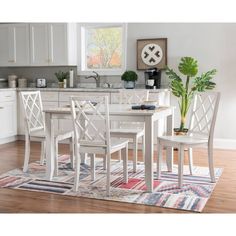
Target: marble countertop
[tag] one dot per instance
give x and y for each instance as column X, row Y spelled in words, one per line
column 76, row 89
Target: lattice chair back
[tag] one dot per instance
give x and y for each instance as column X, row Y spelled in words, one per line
column 133, row 96
column 203, row 115
column 33, row 111
column 130, row 97
column 91, row 120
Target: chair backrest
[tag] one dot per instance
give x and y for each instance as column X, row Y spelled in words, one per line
column 131, row 96
column 91, row 120
column 33, row 111
column 203, row 115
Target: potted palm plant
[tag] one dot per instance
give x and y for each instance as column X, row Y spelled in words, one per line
column 185, row 88
column 62, row 78
column 129, row 77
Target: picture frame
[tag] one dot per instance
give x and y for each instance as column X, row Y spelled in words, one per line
column 151, row 53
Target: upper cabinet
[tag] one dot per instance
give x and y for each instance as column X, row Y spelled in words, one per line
column 39, row 44
column 14, row 44
column 53, row 44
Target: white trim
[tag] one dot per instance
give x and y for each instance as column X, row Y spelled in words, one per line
column 81, row 49
column 8, row 139
column 225, row 143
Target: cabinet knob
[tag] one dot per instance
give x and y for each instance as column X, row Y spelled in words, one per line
column 11, row 60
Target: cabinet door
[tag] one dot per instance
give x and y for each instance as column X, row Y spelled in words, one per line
column 58, row 52
column 8, row 119
column 39, row 44
column 4, row 45
column 19, row 48
column 14, row 45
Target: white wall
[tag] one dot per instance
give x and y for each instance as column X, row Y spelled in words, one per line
column 213, row 45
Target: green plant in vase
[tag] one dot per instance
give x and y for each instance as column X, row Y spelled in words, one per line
column 129, row 77
column 62, row 78
column 185, row 88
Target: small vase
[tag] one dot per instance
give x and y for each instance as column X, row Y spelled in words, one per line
column 60, row 84
column 177, row 131
column 129, row 84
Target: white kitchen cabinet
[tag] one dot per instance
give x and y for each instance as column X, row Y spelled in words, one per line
column 39, row 44
column 8, row 124
column 53, row 44
column 14, row 44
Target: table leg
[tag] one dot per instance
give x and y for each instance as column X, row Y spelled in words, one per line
column 169, row 150
column 149, row 153
column 49, row 146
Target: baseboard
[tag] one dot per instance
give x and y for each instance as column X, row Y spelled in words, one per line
column 8, row 139
column 225, row 143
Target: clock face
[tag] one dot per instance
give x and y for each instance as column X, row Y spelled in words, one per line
column 151, row 54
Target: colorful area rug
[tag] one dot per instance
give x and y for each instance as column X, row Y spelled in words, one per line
column 192, row 197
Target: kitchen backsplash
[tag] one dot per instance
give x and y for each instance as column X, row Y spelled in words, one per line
column 32, row 73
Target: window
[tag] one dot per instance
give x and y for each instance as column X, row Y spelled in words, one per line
column 103, row 49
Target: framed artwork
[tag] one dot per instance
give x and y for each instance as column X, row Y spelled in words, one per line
column 151, row 53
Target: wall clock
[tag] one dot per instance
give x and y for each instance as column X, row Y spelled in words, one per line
column 151, row 53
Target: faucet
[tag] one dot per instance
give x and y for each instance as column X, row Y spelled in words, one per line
column 96, row 77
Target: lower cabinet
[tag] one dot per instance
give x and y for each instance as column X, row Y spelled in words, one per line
column 8, row 124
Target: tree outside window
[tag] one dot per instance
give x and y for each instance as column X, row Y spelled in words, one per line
column 104, row 48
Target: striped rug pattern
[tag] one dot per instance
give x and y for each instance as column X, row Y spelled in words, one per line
column 193, row 196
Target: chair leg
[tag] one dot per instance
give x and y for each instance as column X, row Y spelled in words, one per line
column 93, row 167
column 72, row 153
column 56, row 159
column 42, row 155
column 108, row 157
column 135, row 154
column 190, row 157
column 77, row 169
column 105, row 162
column 159, row 159
column 180, row 165
column 143, row 148
column 27, row 153
column 119, row 155
column 211, row 164
column 125, row 163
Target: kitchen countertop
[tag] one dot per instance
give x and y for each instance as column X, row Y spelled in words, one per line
column 7, row 89
column 76, row 89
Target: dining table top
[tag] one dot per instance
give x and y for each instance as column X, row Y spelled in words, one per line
column 114, row 109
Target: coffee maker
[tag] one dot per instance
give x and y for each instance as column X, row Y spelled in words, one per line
column 152, row 78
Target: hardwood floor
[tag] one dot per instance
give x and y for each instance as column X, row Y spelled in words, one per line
column 223, row 199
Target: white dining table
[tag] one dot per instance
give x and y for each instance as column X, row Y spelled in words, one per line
column 117, row 112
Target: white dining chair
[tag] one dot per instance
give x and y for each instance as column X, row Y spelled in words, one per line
column 131, row 130
column 35, row 128
column 201, row 131
column 92, row 138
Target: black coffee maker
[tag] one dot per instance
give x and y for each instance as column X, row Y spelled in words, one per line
column 152, row 78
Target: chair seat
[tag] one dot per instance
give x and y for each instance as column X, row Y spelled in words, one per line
column 127, row 132
column 57, row 135
column 184, row 140
column 116, row 144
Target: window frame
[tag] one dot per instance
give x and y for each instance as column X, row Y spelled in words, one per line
column 82, row 67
